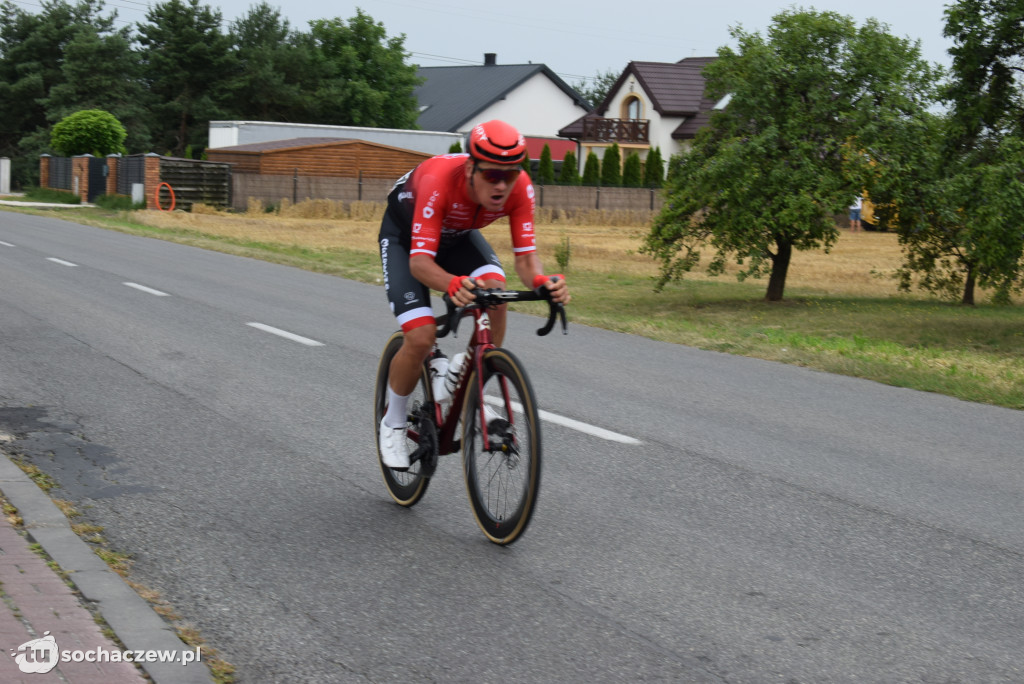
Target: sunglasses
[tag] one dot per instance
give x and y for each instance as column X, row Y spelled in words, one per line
column 495, row 176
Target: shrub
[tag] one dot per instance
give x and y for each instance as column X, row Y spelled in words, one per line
column 592, row 170
column 546, row 170
column 52, row 196
column 570, row 174
column 632, row 173
column 89, row 131
column 118, row 203
column 654, row 169
column 611, row 166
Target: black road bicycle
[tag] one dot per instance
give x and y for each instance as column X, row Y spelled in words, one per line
column 493, row 402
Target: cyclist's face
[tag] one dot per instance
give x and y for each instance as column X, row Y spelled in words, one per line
column 491, row 184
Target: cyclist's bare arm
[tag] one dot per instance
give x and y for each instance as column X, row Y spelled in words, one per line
column 528, row 267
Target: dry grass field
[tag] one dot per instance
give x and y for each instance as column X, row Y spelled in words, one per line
column 600, row 242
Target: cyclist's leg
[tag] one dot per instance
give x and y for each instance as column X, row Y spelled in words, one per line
column 472, row 255
column 410, row 303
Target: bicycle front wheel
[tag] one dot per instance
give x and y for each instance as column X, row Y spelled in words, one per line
column 405, row 487
column 501, row 447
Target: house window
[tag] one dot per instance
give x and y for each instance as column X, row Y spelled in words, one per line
column 633, row 109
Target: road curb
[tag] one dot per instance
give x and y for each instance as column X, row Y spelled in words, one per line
column 131, row 618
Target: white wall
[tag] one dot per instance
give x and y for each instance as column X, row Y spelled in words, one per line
column 537, row 107
column 660, row 133
column 231, row 133
column 5, row 176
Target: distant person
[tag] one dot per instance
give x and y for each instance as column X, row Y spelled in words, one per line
column 855, row 210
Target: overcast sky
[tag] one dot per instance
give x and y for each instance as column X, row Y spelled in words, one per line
column 578, row 39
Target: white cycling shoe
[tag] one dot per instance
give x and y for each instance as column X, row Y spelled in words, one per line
column 394, row 448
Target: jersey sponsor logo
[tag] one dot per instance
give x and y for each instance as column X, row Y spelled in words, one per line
column 529, row 190
column 428, row 210
column 384, row 261
column 417, row 227
column 404, row 195
column 527, row 226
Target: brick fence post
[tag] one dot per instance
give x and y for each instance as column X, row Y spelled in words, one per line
column 80, row 176
column 44, row 171
column 112, row 160
column 152, row 179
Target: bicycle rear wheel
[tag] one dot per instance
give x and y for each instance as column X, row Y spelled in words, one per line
column 502, row 467
column 405, row 487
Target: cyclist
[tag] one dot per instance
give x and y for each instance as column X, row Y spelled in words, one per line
column 430, row 240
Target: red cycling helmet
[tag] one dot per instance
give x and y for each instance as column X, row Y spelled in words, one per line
column 497, row 142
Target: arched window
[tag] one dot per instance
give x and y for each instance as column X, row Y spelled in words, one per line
column 634, row 109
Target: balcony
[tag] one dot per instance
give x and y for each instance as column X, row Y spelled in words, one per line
column 616, row 130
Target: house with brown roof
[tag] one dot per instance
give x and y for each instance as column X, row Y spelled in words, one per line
column 652, row 104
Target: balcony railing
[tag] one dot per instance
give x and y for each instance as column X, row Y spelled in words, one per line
column 617, row 130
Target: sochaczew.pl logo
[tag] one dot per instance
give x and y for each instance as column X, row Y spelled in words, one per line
column 41, row 655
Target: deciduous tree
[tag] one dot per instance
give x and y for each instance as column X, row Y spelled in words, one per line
column 362, row 75
column 90, row 131
column 769, row 173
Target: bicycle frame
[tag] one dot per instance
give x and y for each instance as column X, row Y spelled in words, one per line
column 480, row 342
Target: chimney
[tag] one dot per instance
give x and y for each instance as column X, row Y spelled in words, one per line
column 490, row 58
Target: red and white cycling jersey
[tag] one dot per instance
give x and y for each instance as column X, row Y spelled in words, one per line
column 441, row 206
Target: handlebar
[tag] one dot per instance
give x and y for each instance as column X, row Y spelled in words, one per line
column 489, row 298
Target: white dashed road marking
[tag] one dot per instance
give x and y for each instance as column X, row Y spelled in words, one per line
column 287, row 335
column 572, row 424
column 147, row 290
column 60, row 261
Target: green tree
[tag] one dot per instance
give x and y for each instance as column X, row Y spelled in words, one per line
column 952, row 190
column 270, row 82
column 984, row 91
column 632, row 171
column 362, row 76
column 570, row 173
column 611, row 166
column 654, row 169
column 33, row 52
column 595, row 90
column 546, row 170
column 102, row 71
column 592, row 169
column 188, row 68
column 90, row 131
column 958, row 220
column 768, row 174
column 455, row 147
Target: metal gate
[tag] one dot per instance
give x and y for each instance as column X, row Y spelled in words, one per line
column 130, row 170
column 98, row 171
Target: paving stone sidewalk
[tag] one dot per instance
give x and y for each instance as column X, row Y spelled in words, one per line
column 37, row 603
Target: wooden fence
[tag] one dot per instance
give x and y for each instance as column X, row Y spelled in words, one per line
column 270, row 190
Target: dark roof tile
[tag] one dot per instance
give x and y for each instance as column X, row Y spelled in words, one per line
column 450, row 97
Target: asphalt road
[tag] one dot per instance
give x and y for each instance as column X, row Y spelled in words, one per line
column 762, row 523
